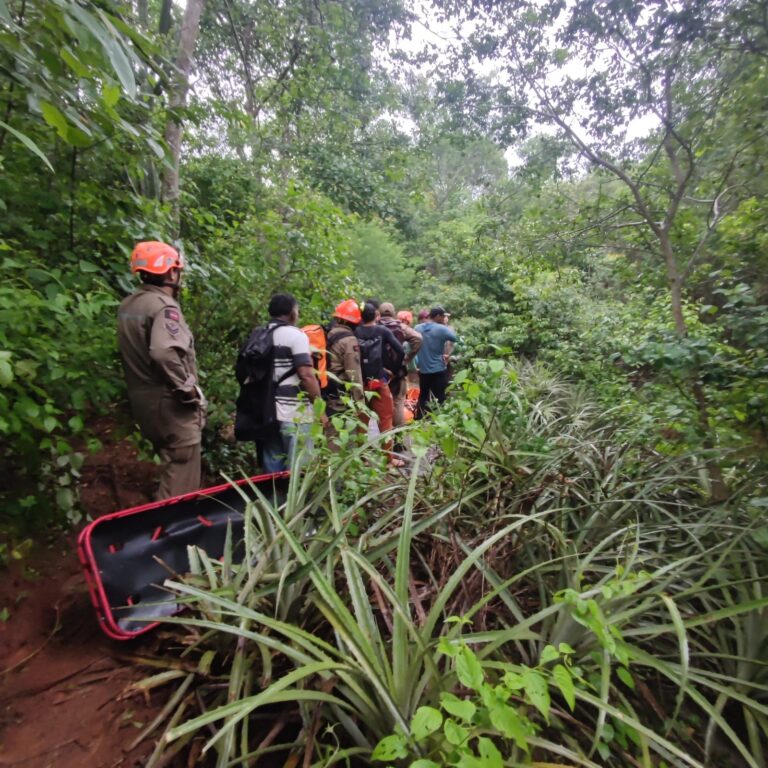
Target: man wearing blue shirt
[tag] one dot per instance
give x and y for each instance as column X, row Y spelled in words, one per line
column 433, row 374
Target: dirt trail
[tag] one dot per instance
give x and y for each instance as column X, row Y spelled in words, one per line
column 63, row 698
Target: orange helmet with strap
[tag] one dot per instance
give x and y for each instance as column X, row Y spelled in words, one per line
column 349, row 310
column 155, row 257
column 404, row 316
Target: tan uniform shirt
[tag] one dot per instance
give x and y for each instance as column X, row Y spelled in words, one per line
column 344, row 362
column 160, row 368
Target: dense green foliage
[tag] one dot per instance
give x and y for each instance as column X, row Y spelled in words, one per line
column 521, row 597
column 581, row 551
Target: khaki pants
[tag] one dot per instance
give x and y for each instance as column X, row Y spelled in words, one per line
column 180, row 472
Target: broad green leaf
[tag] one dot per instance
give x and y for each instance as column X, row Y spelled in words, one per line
column 4, row 15
column 50, row 423
column 28, row 407
column 28, row 143
column 424, row 763
column 489, row 753
column 6, row 370
column 550, row 653
column 496, row 365
column 55, row 118
column 455, row 733
column 122, row 67
column 506, row 720
column 462, row 708
column 537, row 691
column 111, row 47
column 77, row 138
column 390, row 748
column 626, row 677
column 156, row 148
column 111, row 94
column 468, row 668
column 564, row 681
column 65, row 499
column 77, row 66
column 425, row 721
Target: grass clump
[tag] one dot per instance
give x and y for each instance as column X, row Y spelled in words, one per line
column 541, row 588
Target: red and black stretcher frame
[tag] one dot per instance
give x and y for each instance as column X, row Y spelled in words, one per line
column 127, row 555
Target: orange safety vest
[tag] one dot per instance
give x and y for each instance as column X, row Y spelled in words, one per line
column 318, row 347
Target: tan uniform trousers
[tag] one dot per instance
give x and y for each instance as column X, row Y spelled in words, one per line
column 180, row 472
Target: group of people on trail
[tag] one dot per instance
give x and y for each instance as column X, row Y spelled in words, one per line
column 288, row 376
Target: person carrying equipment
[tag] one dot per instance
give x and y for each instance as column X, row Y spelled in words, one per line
column 373, row 339
column 273, row 367
column 433, row 374
column 344, row 356
column 317, row 347
column 158, row 354
column 411, row 341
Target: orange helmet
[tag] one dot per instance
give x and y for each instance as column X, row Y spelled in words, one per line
column 155, row 257
column 349, row 310
column 404, row 316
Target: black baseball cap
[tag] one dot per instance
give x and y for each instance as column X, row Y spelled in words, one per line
column 437, row 311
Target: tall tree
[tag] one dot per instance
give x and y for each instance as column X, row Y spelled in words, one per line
column 190, row 29
column 600, row 73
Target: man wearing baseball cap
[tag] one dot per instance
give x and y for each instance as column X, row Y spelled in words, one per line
column 433, row 374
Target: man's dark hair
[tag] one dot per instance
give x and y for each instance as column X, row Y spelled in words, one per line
column 150, row 279
column 376, row 303
column 369, row 312
column 282, row 304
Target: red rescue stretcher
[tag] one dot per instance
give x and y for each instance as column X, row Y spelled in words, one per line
column 127, row 555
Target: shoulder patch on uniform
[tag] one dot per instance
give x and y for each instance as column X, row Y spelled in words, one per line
column 172, row 328
column 171, row 314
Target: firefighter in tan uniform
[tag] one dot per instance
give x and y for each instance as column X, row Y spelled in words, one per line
column 344, row 356
column 158, row 355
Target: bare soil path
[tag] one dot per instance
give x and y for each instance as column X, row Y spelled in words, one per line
column 65, row 698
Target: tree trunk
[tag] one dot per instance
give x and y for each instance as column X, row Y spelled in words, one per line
column 142, row 14
column 190, row 29
column 719, row 489
column 166, row 17
column 675, row 280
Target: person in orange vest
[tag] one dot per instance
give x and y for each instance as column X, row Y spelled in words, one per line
column 318, row 344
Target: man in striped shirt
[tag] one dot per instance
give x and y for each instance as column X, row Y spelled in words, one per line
column 293, row 372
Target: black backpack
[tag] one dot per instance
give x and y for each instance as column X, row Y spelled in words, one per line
column 256, row 417
column 396, row 327
column 371, row 357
